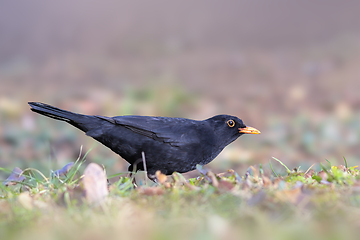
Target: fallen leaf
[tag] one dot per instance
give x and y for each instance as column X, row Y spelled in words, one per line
column 161, row 178
column 225, row 186
column 180, row 180
column 213, row 179
column 342, row 167
column 63, row 171
column 230, row 172
column 191, row 187
column 323, row 175
column 309, row 174
column 251, row 171
column 203, row 171
column 294, row 196
column 95, row 183
column 15, row 177
column 266, row 181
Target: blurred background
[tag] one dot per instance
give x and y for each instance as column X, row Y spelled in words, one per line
column 288, row 68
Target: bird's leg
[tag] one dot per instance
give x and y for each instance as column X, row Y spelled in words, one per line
column 138, row 165
column 132, row 172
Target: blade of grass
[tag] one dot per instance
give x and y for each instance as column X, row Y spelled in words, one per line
column 323, row 168
column 328, row 162
column 117, row 174
column 75, row 169
column 26, row 184
column 273, row 169
column 261, row 171
column 35, row 170
column 287, row 169
column 124, row 187
column 5, row 170
column 346, row 165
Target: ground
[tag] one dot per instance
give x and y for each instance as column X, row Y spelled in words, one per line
column 289, row 69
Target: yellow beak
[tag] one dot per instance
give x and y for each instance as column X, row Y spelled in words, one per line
column 249, row 130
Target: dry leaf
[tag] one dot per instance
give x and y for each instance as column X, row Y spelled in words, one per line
column 309, row 174
column 14, row 177
column 294, row 196
column 225, row 186
column 342, row 167
column 64, row 170
column 266, row 181
column 203, row 171
column 323, row 175
column 213, row 179
column 95, row 183
column 161, row 178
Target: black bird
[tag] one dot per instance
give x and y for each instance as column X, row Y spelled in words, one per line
column 169, row 144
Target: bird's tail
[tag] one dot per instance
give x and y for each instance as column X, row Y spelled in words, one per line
column 83, row 122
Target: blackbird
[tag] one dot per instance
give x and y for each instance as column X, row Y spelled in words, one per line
column 168, row 144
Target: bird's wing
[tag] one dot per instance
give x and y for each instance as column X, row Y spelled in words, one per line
column 174, row 131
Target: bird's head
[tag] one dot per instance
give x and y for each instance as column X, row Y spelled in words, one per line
column 230, row 128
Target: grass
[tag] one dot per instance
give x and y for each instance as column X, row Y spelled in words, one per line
column 296, row 205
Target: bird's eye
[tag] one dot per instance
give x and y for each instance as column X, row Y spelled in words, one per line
column 231, row 123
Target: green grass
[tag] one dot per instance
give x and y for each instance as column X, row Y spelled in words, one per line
column 297, row 205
